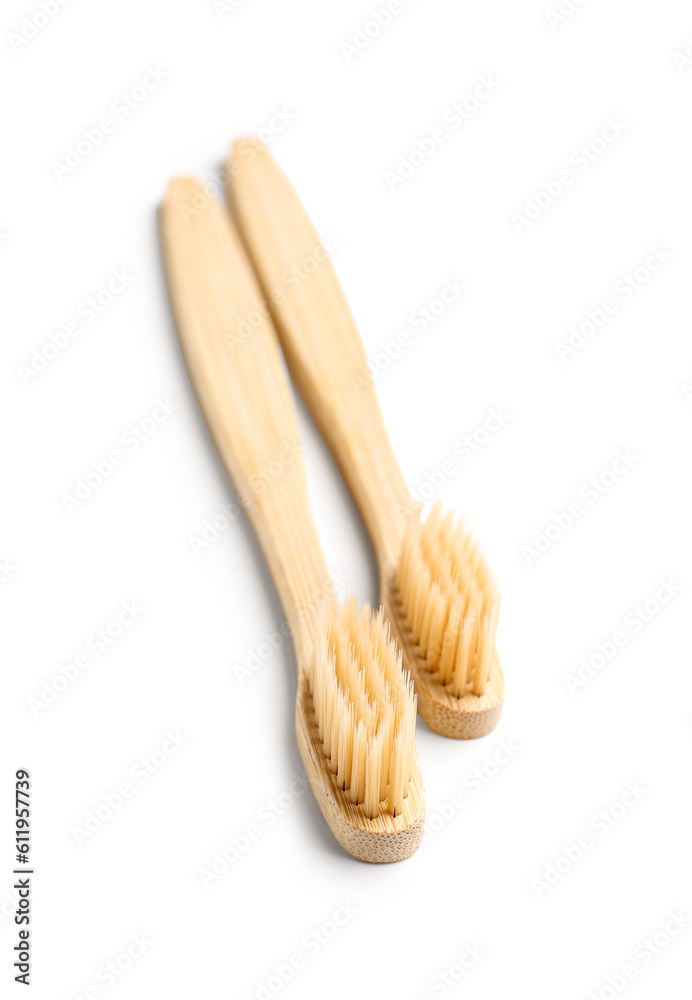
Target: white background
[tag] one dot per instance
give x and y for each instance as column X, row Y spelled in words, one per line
column 351, row 119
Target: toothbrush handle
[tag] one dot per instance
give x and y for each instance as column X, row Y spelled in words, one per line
column 320, row 340
column 242, row 391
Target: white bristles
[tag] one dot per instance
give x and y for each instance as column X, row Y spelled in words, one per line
column 450, row 601
column 365, row 707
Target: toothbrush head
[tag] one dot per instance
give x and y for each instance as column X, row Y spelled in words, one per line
column 355, row 721
column 365, row 707
column 446, row 605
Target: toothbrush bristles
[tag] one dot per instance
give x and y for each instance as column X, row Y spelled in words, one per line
column 365, row 707
column 449, row 602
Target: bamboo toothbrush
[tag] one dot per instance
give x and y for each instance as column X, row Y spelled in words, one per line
column 435, row 585
column 355, row 708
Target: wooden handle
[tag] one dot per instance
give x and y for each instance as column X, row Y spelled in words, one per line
column 232, row 357
column 320, row 339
